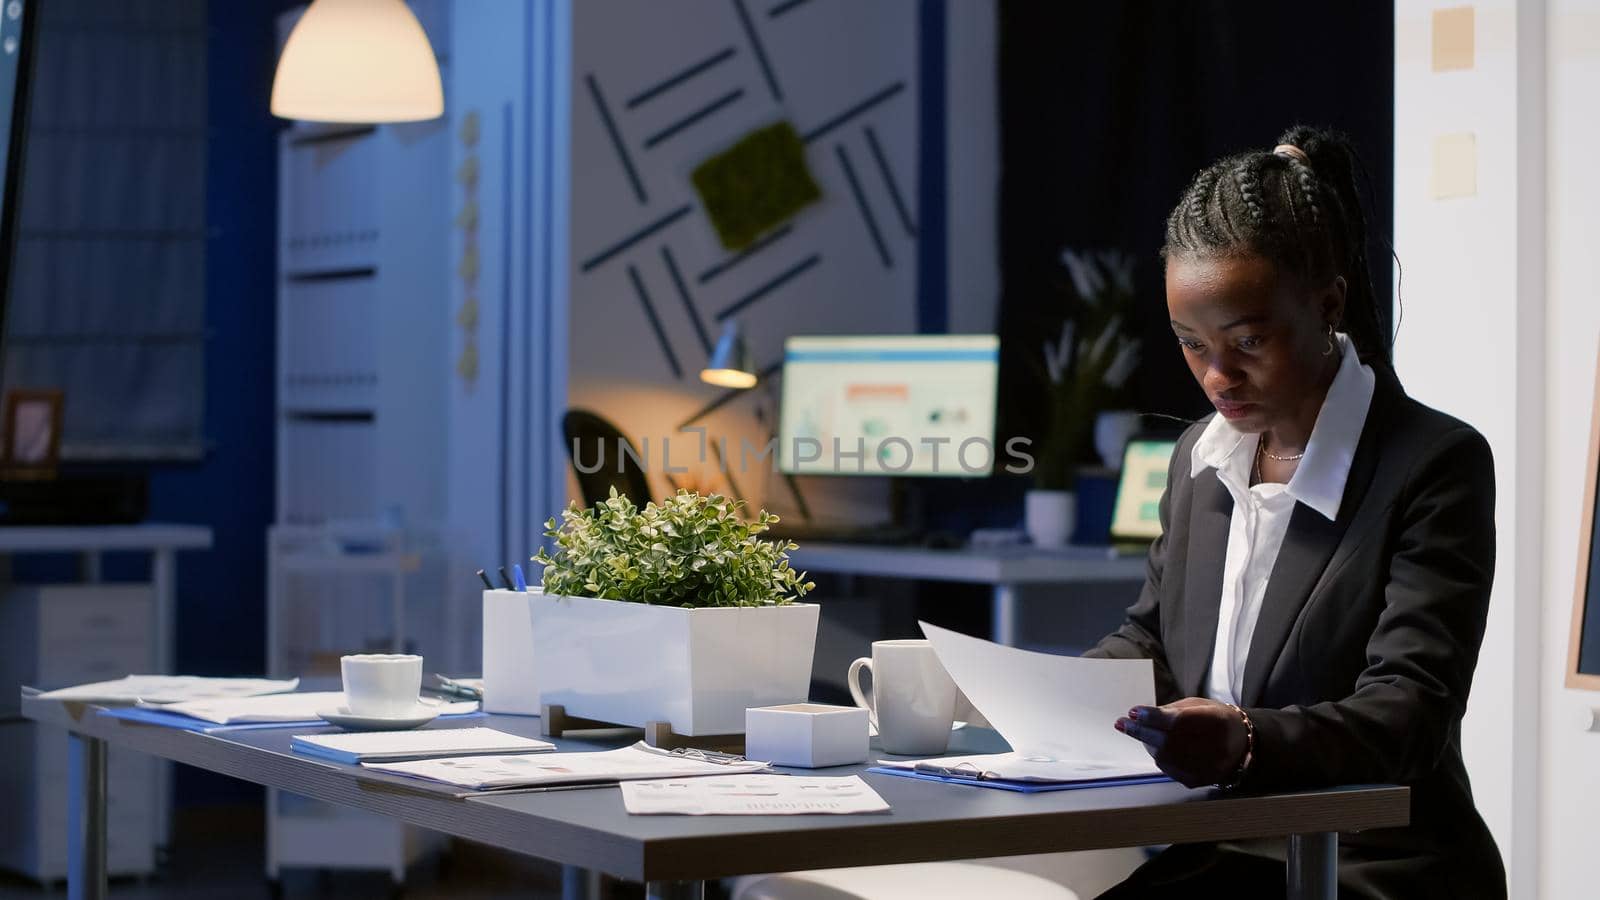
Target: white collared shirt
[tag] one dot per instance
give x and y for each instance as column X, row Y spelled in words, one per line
column 1261, row 513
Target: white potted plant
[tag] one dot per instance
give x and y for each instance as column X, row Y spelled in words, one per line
column 1086, row 370
column 679, row 612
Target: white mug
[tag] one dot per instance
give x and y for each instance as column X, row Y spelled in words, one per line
column 913, row 700
column 382, row 685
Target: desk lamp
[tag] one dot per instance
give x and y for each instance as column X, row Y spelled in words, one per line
column 730, row 365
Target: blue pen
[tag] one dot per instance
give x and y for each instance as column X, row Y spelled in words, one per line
column 521, row 583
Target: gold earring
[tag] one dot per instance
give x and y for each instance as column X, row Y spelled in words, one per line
column 1329, row 351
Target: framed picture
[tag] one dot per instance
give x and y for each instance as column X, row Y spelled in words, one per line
column 1583, row 649
column 32, row 445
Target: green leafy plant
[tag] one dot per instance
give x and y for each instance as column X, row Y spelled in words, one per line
column 1086, row 368
column 690, row 550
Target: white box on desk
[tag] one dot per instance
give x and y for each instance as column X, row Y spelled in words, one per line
column 807, row 735
column 508, row 680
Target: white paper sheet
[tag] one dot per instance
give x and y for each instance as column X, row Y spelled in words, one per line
column 432, row 742
column 1049, row 707
column 752, row 795
column 627, row 764
column 296, row 707
column 169, row 689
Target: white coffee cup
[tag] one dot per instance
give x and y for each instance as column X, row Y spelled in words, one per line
column 382, row 685
column 913, row 700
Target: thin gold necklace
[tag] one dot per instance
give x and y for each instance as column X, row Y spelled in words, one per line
column 1261, row 448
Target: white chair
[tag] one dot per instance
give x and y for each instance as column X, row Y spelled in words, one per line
column 916, row 881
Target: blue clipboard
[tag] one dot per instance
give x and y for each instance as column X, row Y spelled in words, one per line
column 149, row 716
column 1020, row 787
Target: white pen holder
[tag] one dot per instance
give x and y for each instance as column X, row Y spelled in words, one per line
column 806, row 735
column 508, row 674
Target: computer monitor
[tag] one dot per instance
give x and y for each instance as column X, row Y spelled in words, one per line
column 1137, row 515
column 911, row 405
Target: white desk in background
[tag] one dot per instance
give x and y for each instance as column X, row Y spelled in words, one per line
column 161, row 541
column 1004, row 569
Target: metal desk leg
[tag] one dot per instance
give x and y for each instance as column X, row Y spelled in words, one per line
column 163, row 586
column 86, row 818
column 1004, row 616
column 579, row 884
column 1314, row 866
column 675, row 890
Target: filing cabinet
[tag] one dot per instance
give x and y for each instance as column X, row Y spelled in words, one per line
column 54, row 636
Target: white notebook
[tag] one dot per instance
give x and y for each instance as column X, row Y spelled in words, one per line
column 378, row 746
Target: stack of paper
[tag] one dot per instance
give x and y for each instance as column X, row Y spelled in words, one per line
column 168, row 689
column 299, row 707
column 241, row 713
column 752, row 795
column 374, row 746
column 1056, row 712
column 640, row 761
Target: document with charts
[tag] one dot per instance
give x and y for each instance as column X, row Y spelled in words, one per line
column 487, row 773
column 1056, row 712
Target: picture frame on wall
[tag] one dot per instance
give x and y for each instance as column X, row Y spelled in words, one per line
column 1583, row 647
column 31, row 449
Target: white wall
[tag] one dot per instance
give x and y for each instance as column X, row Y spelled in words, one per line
column 1470, row 344
column 824, row 58
column 1569, row 759
column 1502, row 327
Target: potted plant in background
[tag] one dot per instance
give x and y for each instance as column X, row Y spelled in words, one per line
column 1086, row 370
column 679, row 612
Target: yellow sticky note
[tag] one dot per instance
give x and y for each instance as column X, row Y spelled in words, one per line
column 1453, row 38
column 1455, row 166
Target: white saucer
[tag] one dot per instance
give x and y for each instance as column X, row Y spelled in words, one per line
column 344, row 718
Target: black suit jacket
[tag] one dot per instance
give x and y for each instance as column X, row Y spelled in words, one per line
column 1368, row 634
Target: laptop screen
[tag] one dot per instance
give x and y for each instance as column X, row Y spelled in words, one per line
column 1137, row 515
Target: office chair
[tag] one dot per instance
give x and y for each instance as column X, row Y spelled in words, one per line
column 596, row 440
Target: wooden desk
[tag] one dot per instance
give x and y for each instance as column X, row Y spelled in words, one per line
column 675, row 855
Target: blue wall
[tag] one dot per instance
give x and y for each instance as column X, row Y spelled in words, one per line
column 221, row 606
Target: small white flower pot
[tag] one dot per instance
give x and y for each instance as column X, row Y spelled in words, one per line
column 1049, row 517
column 632, row 663
column 1112, row 431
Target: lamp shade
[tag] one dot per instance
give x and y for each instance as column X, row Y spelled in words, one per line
column 730, row 364
column 357, row 61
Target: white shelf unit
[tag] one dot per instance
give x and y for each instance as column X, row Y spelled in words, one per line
column 354, row 561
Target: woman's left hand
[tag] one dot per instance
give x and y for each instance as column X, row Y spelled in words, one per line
column 1196, row 741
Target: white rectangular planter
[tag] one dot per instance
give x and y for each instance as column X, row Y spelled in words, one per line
column 632, row 663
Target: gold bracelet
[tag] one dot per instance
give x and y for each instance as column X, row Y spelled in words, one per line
column 1249, row 750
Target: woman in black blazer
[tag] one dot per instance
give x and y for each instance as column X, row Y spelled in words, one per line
column 1351, row 598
